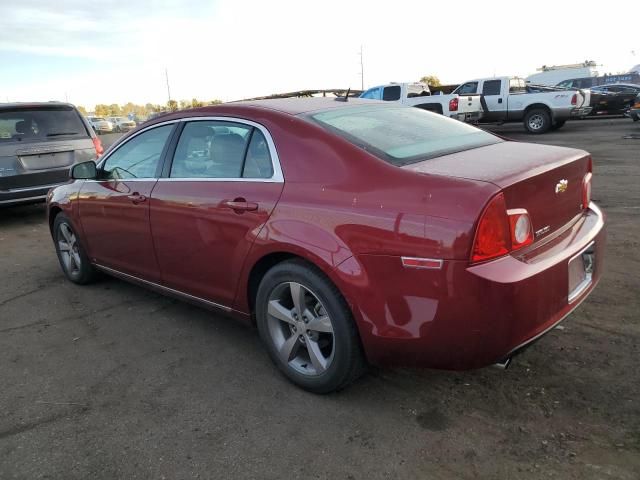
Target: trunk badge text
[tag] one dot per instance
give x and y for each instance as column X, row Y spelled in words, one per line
column 542, row 231
column 562, row 186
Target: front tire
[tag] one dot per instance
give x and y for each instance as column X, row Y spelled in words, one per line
column 307, row 328
column 537, row 121
column 72, row 257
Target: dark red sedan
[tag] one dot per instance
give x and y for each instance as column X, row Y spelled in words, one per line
column 350, row 232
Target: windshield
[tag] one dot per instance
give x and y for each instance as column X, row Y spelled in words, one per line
column 25, row 124
column 402, row 135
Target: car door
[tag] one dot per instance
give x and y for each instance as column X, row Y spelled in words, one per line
column 495, row 103
column 219, row 190
column 114, row 209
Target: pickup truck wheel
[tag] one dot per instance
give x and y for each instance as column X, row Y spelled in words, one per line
column 559, row 124
column 537, row 121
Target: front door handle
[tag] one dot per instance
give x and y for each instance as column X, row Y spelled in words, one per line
column 136, row 198
column 240, row 205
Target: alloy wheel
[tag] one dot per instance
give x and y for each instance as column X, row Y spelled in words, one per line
column 300, row 329
column 536, row 122
column 68, row 248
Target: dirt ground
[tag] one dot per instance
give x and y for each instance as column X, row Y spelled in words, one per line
column 113, row 381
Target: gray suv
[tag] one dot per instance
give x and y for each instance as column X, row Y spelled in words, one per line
column 39, row 142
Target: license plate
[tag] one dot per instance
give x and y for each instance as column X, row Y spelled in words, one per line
column 581, row 271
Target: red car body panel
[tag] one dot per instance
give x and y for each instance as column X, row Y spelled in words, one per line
column 354, row 216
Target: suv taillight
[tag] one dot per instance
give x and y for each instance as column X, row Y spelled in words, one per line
column 98, row 146
column 574, row 99
column 501, row 231
column 453, row 104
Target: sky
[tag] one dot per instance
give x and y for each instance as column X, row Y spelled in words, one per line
column 116, row 51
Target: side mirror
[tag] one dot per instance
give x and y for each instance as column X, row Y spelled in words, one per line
column 84, row 171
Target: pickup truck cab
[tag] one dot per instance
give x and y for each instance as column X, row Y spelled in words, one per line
column 467, row 108
column 510, row 99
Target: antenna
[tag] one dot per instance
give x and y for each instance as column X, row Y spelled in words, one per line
column 166, row 75
column 361, row 69
column 345, row 98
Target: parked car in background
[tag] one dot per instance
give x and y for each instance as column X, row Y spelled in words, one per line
column 100, row 124
column 634, row 111
column 348, row 231
column 613, row 99
column 465, row 107
column 39, row 142
column 510, row 99
column 122, row 124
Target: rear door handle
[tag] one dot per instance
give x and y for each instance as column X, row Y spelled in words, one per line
column 240, row 205
column 136, row 198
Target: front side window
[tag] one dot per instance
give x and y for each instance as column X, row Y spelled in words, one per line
column 402, row 135
column 138, row 157
column 372, row 94
column 217, row 149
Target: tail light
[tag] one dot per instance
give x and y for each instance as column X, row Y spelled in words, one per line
column 98, row 146
column 586, row 190
column 453, row 104
column 501, row 231
column 574, row 99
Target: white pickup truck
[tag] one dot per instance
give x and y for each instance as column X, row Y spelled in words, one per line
column 467, row 108
column 510, row 99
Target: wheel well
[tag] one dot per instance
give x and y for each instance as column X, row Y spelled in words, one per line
column 53, row 213
column 540, row 106
column 259, row 270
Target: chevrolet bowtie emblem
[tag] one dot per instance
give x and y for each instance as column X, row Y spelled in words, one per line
column 562, row 186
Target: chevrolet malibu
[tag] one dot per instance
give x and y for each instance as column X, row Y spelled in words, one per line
column 349, row 232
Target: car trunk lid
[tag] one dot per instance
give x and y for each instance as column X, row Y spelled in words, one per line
column 544, row 180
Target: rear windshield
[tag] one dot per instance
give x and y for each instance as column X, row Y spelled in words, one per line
column 40, row 123
column 402, row 135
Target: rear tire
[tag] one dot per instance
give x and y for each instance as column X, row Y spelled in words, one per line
column 537, row 121
column 558, row 125
column 307, row 328
column 71, row 255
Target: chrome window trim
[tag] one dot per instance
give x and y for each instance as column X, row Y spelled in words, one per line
column 277, row 176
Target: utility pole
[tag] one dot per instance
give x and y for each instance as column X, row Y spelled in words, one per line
column 166, row 75
column 361, row 70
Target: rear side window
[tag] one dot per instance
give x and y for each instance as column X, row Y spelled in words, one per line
column 402, row 135
column 35, row 124
column 216, row 149
column 391, row 93
column 467, row 88
column 491, row 87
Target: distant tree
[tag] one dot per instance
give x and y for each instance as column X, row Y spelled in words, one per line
column 195, row 103
column 431, row 80
column 215, row 102
column 172, row 105
column 82, row 110
column 184, row 104
column 114, row 110
column 102, row 110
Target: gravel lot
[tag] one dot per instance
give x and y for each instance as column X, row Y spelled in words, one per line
column 113, row 381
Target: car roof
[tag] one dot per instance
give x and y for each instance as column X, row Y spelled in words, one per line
column 14, row 105
column 297, row 106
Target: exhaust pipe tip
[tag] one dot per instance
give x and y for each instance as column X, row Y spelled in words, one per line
column 504, row 364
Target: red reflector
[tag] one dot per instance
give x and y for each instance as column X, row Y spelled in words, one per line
column 492, row 237
column 453, row 104
column 98, row 146
column 413, row 262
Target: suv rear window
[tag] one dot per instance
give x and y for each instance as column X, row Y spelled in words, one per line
column 402, row 135
column 29, row 124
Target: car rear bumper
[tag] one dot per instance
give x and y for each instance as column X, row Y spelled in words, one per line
column 462, row 317
column 32, row 187
column 581, row 112
column 469, row 117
